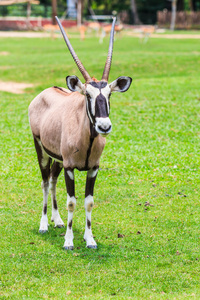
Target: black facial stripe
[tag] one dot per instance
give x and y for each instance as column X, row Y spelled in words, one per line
column 99, row 85
column 101, row 108
column 89, row 111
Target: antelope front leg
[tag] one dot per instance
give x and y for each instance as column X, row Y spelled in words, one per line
column 88, row 237
column 71, row 204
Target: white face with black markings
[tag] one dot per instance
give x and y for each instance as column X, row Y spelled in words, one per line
column 98, row 99
column 98, row 106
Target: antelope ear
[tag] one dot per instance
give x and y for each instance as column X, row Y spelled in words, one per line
column 74, row 84
column 121, row 84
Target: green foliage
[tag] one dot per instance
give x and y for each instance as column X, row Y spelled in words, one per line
column 110, row 5
column 147, row 10
column 152, row 156
column 44, row 9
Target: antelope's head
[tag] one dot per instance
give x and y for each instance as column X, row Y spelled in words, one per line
column 97, row 93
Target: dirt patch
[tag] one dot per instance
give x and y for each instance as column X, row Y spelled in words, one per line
column 5, row 67
column 20, row 34
column 4, row 53
column 14, row 87
column 165, row 36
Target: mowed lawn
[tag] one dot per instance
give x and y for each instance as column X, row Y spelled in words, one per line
column 146, row 215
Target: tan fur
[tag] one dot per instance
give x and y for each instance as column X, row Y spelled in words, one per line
column 94, row 79
column 82, row 30
column 107, row 28
column 60, row 120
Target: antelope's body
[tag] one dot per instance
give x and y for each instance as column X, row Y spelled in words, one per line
column 69, row 128
column 59, row 121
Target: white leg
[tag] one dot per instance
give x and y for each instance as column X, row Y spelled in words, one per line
column 44, row 220
column 55, row 217
column 88, row 237
column 89, row 203
column 44, row 163
column 71, row 204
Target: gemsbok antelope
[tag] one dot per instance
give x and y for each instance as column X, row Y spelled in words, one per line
column 70, row 127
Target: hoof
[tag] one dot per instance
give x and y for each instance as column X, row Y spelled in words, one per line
column 92, row 246
column 69, row 248
column 59, row 226
column 43, row 231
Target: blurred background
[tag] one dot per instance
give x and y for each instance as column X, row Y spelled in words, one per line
column 35, row 14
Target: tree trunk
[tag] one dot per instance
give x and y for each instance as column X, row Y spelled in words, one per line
column 28, row 14
column 173, row 19
column 79, row 13
column 191, row 5
column 54, row 11
column 136, row 19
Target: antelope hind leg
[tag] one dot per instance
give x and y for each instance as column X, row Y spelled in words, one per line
column 55, row 171
column 44, row 162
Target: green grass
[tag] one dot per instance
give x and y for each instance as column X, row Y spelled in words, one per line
column 151, row 155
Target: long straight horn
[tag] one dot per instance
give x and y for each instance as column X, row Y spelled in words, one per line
column 75, row 57
column 110, row 50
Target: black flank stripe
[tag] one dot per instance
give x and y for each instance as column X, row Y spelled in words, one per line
column 57, row 87
column 59, row 157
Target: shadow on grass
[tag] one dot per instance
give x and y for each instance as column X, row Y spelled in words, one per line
column 105, row 252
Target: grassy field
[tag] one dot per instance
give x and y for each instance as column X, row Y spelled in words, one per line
column 152, row 156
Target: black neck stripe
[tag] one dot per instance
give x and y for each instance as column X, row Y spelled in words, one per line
column 88, row 153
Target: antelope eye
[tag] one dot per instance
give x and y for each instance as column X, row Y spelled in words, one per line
column 88, row 96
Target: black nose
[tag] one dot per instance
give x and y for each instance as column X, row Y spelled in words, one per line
column 104, row 129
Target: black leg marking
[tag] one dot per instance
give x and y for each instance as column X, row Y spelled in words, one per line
column 71, row 203
column 44, row 163
column 89, row 189
column 56, row 168
column 88, row 224
column 70, row 224
column 45, row 209
column 45, row 170
column 55, row 203
column 69, row 183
